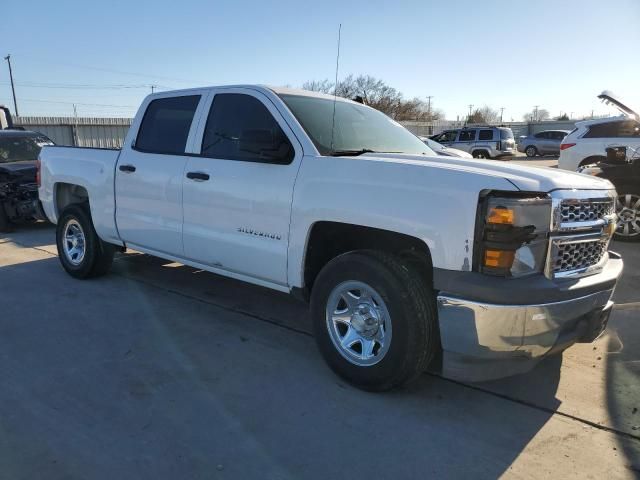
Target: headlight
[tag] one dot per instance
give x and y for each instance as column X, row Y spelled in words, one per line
column 512, row 233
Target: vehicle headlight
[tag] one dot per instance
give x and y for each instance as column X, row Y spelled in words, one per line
column 512, row 233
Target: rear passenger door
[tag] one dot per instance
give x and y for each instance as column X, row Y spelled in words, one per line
column 238, row 187
column 149, row 174
column 466, row 139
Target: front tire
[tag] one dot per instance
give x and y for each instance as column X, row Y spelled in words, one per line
column 80, row 250
column 531, row 151
column 374, row 319
column 480, row 154
column 628, row 211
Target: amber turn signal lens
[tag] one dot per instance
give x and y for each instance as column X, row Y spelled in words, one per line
column 499, row 258
column 500, row 216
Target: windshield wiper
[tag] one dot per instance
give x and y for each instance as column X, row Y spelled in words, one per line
column 351, row 153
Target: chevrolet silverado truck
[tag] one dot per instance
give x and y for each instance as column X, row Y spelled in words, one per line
column 409, row 260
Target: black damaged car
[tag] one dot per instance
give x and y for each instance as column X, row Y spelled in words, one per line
column 621, row 167
column 18, row 186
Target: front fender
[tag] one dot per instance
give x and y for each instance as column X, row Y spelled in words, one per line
column 432, row 202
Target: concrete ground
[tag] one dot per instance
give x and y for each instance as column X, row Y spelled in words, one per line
column 162, row 371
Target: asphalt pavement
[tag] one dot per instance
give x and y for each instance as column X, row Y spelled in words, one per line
column 162, row 371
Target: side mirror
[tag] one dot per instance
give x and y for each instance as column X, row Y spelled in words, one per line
column 616, row 154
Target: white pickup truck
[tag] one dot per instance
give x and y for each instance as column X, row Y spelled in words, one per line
column 409, row 260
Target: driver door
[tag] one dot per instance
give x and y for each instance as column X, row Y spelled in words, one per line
column 238, row 187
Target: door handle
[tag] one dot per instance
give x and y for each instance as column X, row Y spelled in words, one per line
column 127, row 168
column 198, row 176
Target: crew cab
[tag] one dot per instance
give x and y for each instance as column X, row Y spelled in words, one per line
column 409, row 260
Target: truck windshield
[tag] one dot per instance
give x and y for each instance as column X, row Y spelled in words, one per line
column 358, row 128
column 14, row 148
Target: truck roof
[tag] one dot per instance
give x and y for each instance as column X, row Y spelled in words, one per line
column 263, row 88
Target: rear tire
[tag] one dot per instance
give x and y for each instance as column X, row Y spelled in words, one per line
column 389, row 335
column 480, row 154
column 80, row 250
column 531, row 151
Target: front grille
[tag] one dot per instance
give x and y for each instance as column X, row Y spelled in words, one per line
column 580, row 236
column 585, row 210
column 576, row 256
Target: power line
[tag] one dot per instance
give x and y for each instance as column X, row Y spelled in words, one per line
column 37, row 100
column 86, row 86
column 112, row 70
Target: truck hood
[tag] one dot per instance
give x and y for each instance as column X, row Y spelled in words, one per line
column 530, row 179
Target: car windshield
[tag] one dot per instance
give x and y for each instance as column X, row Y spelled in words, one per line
column 358, row 128
column 21, row 148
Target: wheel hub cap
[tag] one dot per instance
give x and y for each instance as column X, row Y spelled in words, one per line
column 358, row 322
column 628, row 210
column 73, row 242
column 365, row 320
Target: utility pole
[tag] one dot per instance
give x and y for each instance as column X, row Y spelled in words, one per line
column 13, row 88
column 501, row 112
column 535, row 113
column 470, row 107
column 429, row 97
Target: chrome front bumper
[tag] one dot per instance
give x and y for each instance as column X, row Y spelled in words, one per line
column 483, row 341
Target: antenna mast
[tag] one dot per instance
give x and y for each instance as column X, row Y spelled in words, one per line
column 335, row 88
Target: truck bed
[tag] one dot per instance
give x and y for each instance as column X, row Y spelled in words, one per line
column 91, row 169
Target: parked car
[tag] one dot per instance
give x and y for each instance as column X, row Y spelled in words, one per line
column 622, row 168
column 334, row 202
column 546, row 142
column 444, row 151
column 480, row 142
column 19, row 151
column 587, row 143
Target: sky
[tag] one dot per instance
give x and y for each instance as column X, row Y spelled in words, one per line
column 104, row 56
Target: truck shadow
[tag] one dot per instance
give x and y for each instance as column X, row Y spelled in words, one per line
column 38, row 234
column 188, row 364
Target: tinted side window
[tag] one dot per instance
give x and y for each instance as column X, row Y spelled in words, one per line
column 559, row 135
column 166, row 123
column 603, row 130
column 467, row 135
column 240, row 127
column 629, row 129
column 485, row 135
column 541, row 135
column 449, row 136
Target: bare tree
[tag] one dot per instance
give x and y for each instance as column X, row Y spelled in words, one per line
column 483, row 115
column 322, row 86
column 377, row 94
column 538, row 115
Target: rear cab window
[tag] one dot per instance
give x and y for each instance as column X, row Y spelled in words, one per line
column 166, row 124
